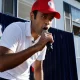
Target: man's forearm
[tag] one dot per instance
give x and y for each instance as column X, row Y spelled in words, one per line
column 38, row 75
column 9, row 61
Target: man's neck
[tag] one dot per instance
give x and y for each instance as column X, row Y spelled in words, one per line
column 33, row 33
column 35, row 36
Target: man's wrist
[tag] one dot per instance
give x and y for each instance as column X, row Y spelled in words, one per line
column 38, row 46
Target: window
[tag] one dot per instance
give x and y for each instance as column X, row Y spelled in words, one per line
column 75, row 14
column 75, row 20
column 9, row 7
column 24, row 8
column 72, row 19
column 67, row 17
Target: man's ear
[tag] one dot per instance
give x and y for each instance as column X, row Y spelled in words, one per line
column 31, row 15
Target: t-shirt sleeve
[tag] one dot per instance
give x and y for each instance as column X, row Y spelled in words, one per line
column 10, row 37
column 42, row 54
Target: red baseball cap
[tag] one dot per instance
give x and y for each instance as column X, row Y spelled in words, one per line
column 46, row 6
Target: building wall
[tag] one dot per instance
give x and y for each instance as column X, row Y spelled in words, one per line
column 59, row 7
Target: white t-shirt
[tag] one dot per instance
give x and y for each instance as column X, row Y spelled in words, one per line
column 17, row 37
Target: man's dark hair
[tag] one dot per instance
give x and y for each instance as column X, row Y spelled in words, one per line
column 35, row 13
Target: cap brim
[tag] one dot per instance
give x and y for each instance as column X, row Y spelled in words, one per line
column 57, row 15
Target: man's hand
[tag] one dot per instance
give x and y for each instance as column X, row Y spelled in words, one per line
column 44, row 39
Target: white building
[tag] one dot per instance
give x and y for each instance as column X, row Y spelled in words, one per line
column 70, row 17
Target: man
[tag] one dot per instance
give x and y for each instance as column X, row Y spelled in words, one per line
column 24, row 43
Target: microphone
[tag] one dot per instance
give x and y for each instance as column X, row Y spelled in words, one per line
column 49, row 44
